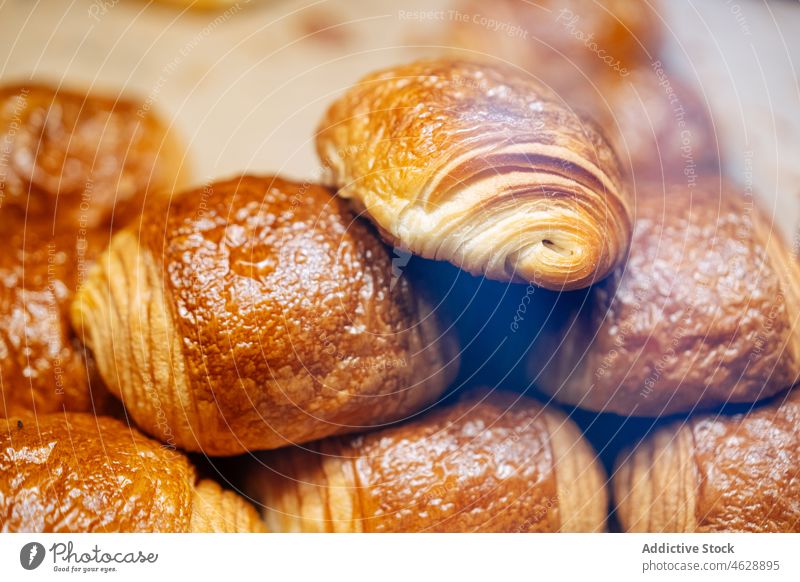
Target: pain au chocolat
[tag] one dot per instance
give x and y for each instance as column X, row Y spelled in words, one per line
column 77, row 473
column 491, row 462
column 704, row 313
column 256, row 312
column 715, row 473
column 480, row 165
column 74, row 167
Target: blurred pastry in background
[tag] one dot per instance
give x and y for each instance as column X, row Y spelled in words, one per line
column 570, row 45
column 661, row 128
column 204, row 4
column 73, row 168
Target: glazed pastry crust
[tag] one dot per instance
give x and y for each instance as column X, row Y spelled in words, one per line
column 489, row 463
column 479, row 165
column 255, row 313
column 80, row 473
column 716, row 474
column 77, row 166
column 704, row 313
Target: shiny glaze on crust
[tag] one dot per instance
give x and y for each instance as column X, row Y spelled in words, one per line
column 43, row 367
column 255, row 313
column 79, row 473
column 704, row 313
column 489, row 463
column 76, row 166
column 737, row 474
column 480, row 165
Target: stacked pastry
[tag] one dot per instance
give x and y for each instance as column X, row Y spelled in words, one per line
column 260, row 314
column 76, row 169
column 700, row 324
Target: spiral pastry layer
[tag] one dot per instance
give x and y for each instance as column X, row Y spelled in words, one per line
column 482, row 166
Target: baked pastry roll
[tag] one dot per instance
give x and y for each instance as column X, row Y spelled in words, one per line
column 77, row 473
column 492, row 462
column 479, row 165
column 715, row 473
column 255, row 313
column 74, row 167
column 704, row 313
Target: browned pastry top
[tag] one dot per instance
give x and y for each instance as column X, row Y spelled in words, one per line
column 716, row 473
column 492, row 462
column 478, row 164
column 265, row 269
column 91, row 157
column 492, row 471
column 704, row 312
column 257, row 312
column 748, row 469
column 89, row 474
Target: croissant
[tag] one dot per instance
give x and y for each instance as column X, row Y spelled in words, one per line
column 76, row 167
column 716, row 473
column 496, row 462
column 704, row 313
column 257, row 312
column 482, row 166
column 79, row 473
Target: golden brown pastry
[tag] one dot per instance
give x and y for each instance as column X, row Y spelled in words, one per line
column 492, row 462
column 74, row 167
column 716, row 473
column 480, row 165
column 704, row 313
column 257, row 312
column 574, row 46
column 79, row 473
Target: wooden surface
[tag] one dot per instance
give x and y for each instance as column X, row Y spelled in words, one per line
column 246, row 87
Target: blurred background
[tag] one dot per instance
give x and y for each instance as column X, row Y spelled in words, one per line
column 245, row 83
